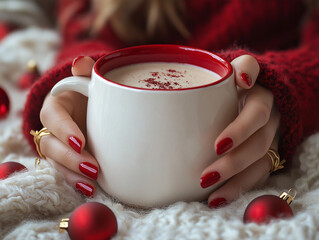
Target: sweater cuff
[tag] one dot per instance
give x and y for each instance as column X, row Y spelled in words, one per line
column 285, row 100
column 40, row 89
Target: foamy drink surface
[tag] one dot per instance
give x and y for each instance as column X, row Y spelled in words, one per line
column 162, row 75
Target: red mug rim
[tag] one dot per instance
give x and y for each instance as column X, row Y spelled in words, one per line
column 164, row 53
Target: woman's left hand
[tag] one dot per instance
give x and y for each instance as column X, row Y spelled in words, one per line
column 243, row 145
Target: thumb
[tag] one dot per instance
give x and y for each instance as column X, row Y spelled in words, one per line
column 246, row 70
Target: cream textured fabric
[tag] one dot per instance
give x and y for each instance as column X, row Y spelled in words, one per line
column 33, row 202
column 23, row 13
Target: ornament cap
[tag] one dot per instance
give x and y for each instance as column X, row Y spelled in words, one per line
column 64, row 224
column 32, row 66
column 287, row 197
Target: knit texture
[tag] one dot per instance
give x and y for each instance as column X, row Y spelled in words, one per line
column 33, row 202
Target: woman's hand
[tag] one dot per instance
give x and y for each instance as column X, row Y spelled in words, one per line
column 243, row 145
column 65, row 118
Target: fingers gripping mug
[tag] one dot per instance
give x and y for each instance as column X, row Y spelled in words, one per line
column 153, row 115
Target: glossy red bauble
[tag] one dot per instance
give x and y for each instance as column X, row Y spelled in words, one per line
column 92, row 221
column 264, row 208
column 7, row 168
column 4, row 104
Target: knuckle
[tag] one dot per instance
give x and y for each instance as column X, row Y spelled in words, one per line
column 244, row 131
column 252, row 61
column 234, row 165
column 267, row 163
column 264, row 149
column 63, row 122
column 44, row 114
column 237, row 166
column 68, row 156
column 265, row 143
column 44, row 145
column 65, row 129
column 263, row 113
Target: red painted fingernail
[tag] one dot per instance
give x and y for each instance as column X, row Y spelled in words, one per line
column 76, row 59
column 86, row 189
column 209, row 179
column 218, row 202
column 89, row 170
column 224, row 145
column 246, row 78
column 75, row 143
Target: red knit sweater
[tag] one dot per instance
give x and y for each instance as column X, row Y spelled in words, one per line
column 286, row 46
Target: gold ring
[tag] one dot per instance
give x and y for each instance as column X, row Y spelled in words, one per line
column 37, row 135
column 275, row 160
column 37, row 161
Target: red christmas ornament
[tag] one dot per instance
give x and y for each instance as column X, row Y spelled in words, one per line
column 267, row 207
column 4, row 104
column 32, row 74
column 7, row 168
column 5, row 29
column 90, row 221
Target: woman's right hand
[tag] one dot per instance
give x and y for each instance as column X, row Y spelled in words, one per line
column 65, row 117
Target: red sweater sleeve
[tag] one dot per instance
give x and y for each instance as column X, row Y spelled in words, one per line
column 292, row 76
column 270, row 31
column 257, row 24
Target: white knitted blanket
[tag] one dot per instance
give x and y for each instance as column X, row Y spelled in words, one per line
column 33, row 202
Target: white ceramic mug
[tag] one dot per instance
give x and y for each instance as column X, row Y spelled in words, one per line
column 152, row 145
